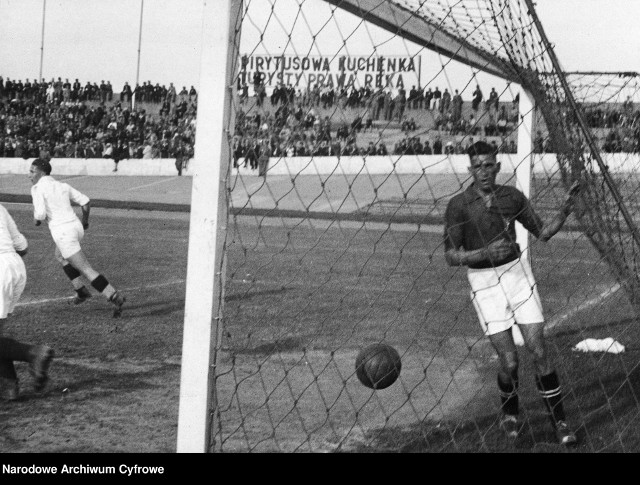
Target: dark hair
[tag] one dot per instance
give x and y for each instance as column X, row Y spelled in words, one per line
column 42, row 165
column 481, row 148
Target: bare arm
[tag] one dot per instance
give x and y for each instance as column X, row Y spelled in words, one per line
column 551, row 228
column 496, row 251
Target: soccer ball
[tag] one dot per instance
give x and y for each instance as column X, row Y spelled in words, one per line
column 378, row 366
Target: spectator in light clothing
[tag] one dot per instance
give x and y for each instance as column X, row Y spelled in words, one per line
column 147, row 152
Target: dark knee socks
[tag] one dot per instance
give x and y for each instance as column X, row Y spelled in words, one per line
column 548, row 387
column 509, row 394
column 101, row 284
column 551, row 393
column 76, row 279
column 11, row 350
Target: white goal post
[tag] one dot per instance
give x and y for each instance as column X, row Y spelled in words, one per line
column 207, row 223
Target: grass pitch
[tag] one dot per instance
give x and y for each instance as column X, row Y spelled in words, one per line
column 302, row 298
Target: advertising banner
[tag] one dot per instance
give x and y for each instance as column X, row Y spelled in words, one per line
column 333, row 72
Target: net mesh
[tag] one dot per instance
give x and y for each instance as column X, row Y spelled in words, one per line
column 350, row 123
column 343, row 164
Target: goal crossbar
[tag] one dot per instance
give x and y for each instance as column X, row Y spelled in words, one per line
column 402, row 22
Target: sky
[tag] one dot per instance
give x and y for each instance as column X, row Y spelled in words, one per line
column 95, row 40
column 598, row 35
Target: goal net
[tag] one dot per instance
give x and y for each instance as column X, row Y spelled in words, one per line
column 349, row 121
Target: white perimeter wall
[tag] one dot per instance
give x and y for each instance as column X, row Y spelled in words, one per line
column 94, row 166
column 407, row 164
column 417, row 164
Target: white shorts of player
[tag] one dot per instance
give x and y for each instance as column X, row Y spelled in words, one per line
column 505, row 295
column 67, row 238
column 13, row 278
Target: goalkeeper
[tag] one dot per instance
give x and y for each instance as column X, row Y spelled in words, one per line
column 480, row 234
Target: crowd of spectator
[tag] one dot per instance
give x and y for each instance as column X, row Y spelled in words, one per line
column 290, row 133
column 66, row 119
column 615, row 128
column 57, row 91
column 383, row 104
column 292, row 123
column 619, row 126
column 298, row 128
column 62, row 120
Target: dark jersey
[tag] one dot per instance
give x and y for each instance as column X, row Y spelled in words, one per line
column 470, row 225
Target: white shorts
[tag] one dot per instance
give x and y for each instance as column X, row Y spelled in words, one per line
column 13, row 278
column 505, row 295
column 67, row 238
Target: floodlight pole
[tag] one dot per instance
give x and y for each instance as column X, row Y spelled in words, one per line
column 133, row 97
column 205, row 261
column 44, row 9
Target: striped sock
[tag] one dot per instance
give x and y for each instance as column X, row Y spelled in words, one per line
column 551, row 393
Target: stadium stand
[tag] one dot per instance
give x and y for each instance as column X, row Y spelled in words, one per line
column 63, row 120
column 59, row 118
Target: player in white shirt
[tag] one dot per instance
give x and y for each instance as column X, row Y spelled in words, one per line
column 13, row 277
column 52, row 202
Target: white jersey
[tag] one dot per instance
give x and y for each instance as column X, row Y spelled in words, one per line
column 13, row 274
column 11, row 240
column 52, row 201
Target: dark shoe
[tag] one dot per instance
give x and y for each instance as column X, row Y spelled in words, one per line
column 82, row 295
column 42, row 357
column 565, row 435
column 118, row 300
column 509, row 425
column 9, row 389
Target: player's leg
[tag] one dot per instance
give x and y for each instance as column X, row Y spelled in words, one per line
column 13, row 278
column 39, row 358
column 9, row 390
column 98, row 281
column 67, row 239
column 528, row 313
column 82, row 293
column 547, row 381
column 496, row 320
column 507, row 354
